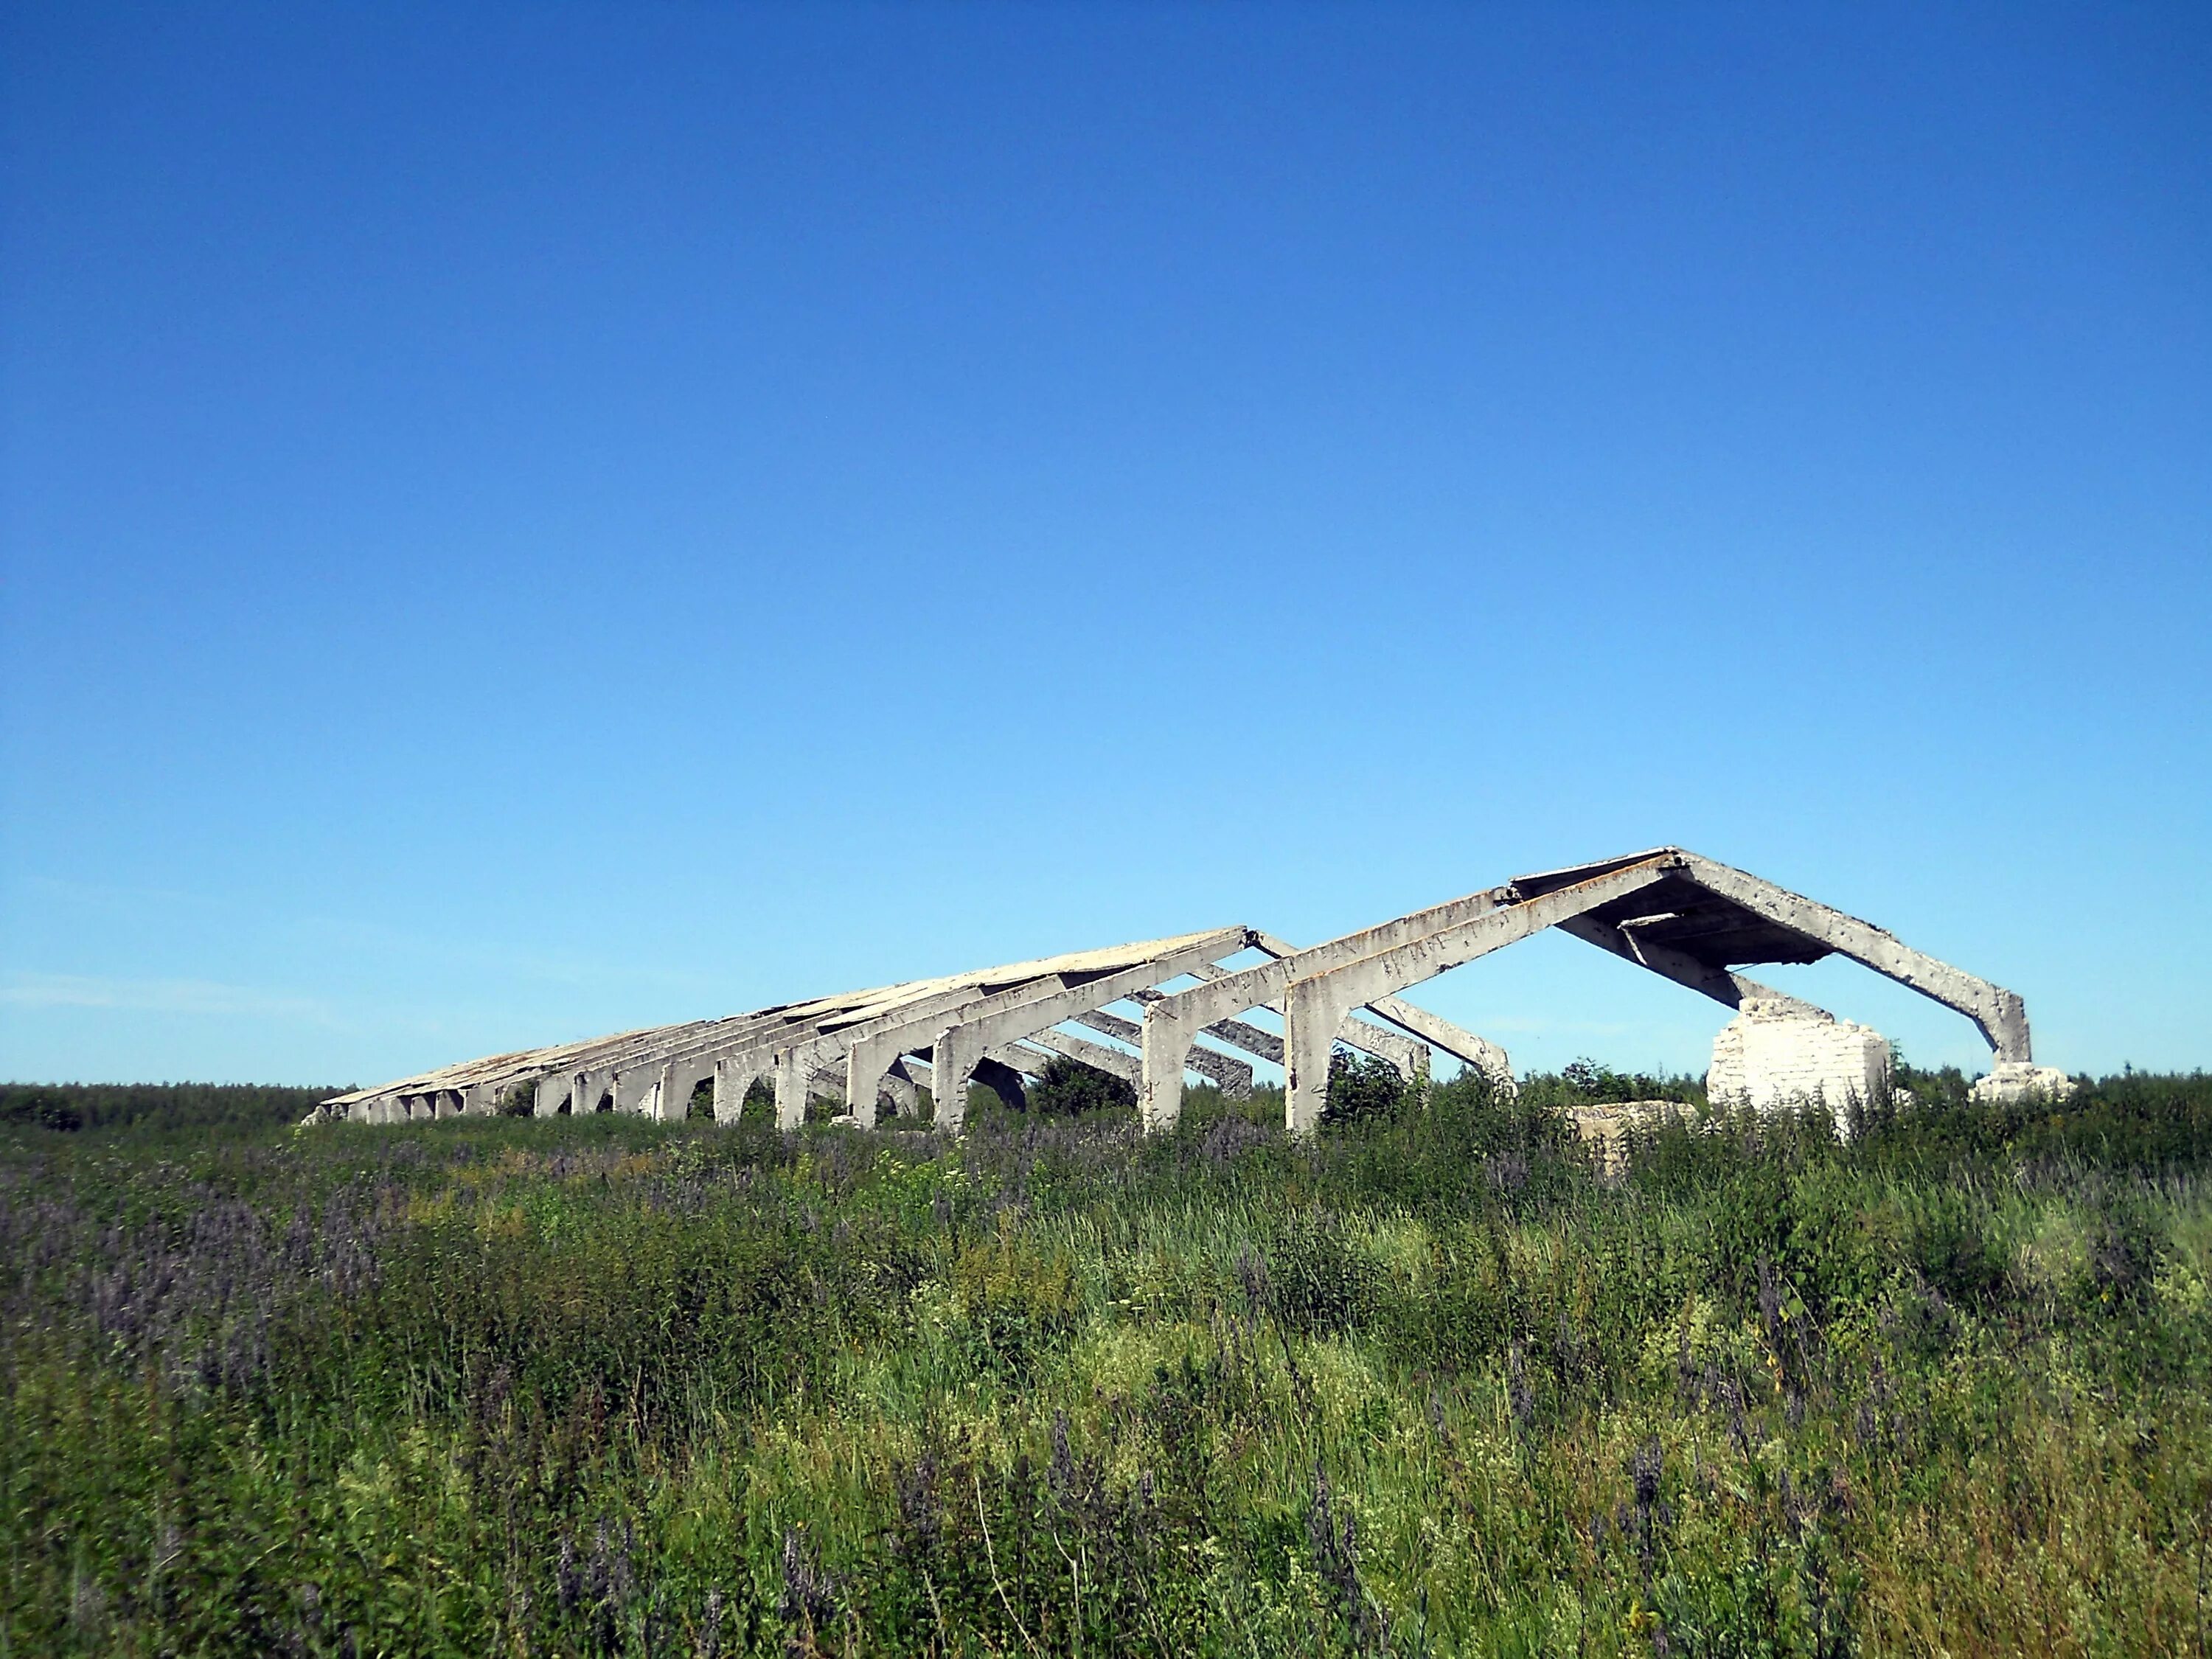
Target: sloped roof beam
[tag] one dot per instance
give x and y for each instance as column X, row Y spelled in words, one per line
column 1173, row 1022
column 957, row 1045
column 1232, row 1076
column 871, row 1047
column 1434, row 1029
column 1999, row 1014
column 1325, row 986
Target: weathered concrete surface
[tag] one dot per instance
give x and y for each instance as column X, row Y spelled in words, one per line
column 954, row 1048
column 1605, row 1128
column 1774, row 1055
column 1411, row 1057
column 1433, row 1029
column 2000, row 1016
column 1061, row 988
column 1233, row 1077
column 1325, row 987
column 1722, row 986
column 1172, row 1023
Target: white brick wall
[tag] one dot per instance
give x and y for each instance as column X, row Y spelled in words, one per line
column 1774, row 1054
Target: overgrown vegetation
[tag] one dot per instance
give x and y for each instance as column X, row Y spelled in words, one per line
column 1067, row 1089
column 156, row 1107
column 593, row 1386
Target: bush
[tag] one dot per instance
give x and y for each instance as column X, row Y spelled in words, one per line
column 1067, row 1088
column 1363, row 1087
column 45, row 1108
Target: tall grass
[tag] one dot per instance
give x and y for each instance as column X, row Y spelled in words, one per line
column 595, row 1386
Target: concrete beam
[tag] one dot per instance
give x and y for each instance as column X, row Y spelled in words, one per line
column 1233, row 1077
column 1097, row 1055
column 1325, row 986
column 1999, row 1014
column 1173, row 1022
column 1411, row 1057
column 1009, row 1016
column 1730, row 990
column 957, row 1046
column 1435, row 1030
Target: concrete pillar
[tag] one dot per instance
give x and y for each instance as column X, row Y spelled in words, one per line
column 953, row 1057
column 868, row 1062
column 1231, row 1076
column 734, row 1077
column 634, row 1090
column 1312, row 1013
column 904, row 1099
column 1326, row 982
column 1003, row 1077
column 792, row 1075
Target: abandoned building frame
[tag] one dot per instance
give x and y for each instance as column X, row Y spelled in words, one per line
column 1688, row 918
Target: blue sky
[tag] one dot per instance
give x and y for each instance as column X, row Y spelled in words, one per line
column 523, row 521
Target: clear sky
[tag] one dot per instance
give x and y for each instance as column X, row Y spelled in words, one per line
column 521, row 522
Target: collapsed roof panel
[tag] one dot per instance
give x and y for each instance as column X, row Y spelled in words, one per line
column 1683, row 915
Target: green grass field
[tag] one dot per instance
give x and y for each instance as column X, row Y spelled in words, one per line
column 590, row 1386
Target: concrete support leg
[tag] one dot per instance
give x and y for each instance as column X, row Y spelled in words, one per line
column 2011, row 1080
column 867, row 1063
column 1004, row 1079
column 733, row 1081
column 634, row 1091
column 1313, row 1014
column 953, row 1058
column 1168, row 1043
column 792, row 1075
column 905, row 1099
column 1231, row 1076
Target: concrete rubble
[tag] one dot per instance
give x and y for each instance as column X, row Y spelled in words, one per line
column 1777, row 1053
column 1671, row 912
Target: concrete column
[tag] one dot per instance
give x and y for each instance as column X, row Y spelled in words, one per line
column 1231, row 1076
column 904, row 1097
column 1312, row 1014
column 1327, row 983
column 734, row 1077
column 792, row 1075
column 868, row 1062
column 1169, row 1035
column 953, row 1058
column 633, row 1090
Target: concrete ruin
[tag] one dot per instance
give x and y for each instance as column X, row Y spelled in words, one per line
column 866, row 1049
column 1687, row 918
column 1778, row 1053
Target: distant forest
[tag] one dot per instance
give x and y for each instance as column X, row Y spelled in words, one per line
column 154, row 1106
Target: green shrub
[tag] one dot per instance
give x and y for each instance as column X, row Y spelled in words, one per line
column 1068, row 1088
